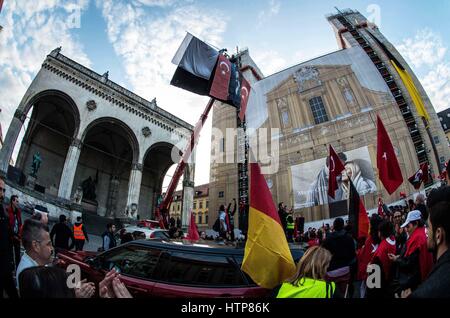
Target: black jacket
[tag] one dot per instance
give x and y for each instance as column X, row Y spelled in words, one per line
column 6, row 252
column 283, row 214
column 112, row 240
column 342, row 247
column 407, row 271
column 63, row 235
column 437, row 285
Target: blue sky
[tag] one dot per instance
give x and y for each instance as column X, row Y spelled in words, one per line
column 135, row 40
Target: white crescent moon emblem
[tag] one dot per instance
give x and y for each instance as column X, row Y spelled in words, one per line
column 244, row 90
column 223, row 70
column 331, row 164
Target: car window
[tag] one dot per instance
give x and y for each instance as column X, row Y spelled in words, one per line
column 132, row 260
column 199, row 270
column 161, row 234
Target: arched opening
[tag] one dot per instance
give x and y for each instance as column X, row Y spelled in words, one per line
column 51, row 124
column 109, row 147
column 157, row 170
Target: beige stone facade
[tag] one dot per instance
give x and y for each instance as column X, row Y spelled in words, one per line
column 200, row 205
column 351, row 102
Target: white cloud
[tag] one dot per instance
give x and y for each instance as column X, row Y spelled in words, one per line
column 156, row 3
column 147, row 42
column 271, row 11
column 426, row 48
column 269, row 62
column 31, row 29
column 437, row 85
column 428, row 52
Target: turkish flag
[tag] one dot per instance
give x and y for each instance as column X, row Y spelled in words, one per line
column 335, row 167
column 388, row 168
column 193, row 231
column 221, row 81
column 380, row 207
column 420, row 176
column 245, row 94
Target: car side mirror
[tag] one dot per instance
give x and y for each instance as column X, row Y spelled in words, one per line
column 93, row 262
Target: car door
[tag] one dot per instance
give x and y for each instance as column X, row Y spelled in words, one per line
column 135, row 263
column 187, row 274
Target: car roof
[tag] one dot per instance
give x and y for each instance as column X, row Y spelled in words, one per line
column 143, row 228
column 208, row 248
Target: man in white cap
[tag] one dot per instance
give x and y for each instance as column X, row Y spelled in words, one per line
column 415, row 264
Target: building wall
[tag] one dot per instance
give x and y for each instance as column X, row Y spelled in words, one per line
column 147, row 123
column 200, row 207
column 351, row 125
column 358, row 19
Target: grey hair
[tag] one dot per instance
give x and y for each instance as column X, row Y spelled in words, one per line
column 32, row 231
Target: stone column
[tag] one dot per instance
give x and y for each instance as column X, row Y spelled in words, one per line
column 10, row 140
column 70, row 167
column 134, row 188
column 188, row 195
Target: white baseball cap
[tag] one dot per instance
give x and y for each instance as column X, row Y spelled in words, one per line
column 412, row 216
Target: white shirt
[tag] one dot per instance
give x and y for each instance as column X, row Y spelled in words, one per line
column 25, row 262
column 222, row 217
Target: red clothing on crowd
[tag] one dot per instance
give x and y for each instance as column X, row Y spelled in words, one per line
column 386, row 247
column 364, row 255
column 313, row 242
column 418, row 241
column 12, row 220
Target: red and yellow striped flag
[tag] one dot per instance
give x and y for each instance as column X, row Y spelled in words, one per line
column 267, row 259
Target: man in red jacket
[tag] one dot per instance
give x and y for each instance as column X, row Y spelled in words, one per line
column 416, row 263
column 15, row 226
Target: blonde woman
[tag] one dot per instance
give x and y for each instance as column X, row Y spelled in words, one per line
column 309, row 280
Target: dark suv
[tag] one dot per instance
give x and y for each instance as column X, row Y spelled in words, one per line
column 159, row 268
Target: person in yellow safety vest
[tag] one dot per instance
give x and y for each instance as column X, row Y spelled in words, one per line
column 290, row 226
column 309, row 280
column 80, row 234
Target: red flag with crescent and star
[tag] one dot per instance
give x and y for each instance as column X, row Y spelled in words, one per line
column 420, row 176
column 245, row 94
column 335, row 167
column 221, row 81
column 388, row 168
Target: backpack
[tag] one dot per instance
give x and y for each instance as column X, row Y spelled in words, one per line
column 216, row 226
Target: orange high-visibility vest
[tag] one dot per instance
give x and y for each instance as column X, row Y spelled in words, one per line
column 78, row 233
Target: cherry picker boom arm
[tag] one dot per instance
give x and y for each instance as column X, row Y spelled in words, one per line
column 163, row 208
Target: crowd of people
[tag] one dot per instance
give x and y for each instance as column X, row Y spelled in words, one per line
column 34, row 274
column 405, row 253
column 407, row 244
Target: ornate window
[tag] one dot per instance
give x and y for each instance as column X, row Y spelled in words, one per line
column 283, row 108
column 200, row 221
column 285, row 117
column 318, row 110
column 348, row 95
